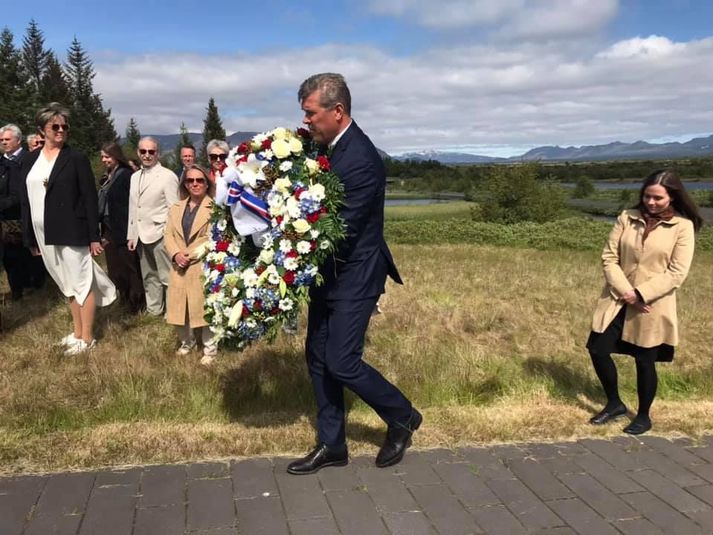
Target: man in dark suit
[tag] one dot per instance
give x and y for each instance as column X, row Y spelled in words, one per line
column 354, row 278
column 23, row 270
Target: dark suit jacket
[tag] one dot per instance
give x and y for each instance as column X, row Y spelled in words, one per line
column 359, row 267
column 117, row 199
column 71, row 216
column 11, row 186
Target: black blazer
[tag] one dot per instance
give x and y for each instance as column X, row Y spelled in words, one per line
column 117, row 199
column 359, row 267
column 11, row 186
column 71, row 216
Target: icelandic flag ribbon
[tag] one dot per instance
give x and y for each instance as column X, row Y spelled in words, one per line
column 251, row 203
column 235, row 191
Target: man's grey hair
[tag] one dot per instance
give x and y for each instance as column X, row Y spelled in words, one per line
column 152, row 140
column 332, row 89
column 31, row 137
column 13, row 129
column 217, row 144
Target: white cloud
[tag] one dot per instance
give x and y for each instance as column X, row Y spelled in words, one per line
column 516, row 94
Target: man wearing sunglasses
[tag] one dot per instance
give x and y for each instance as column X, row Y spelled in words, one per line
column 154, row 189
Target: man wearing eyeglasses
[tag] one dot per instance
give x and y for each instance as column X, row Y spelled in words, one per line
column 154, row 189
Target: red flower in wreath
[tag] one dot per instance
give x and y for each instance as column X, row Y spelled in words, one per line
column 266, row 144
column 222, row 246
column 323, row 163
column 243, row 148
column 289, row 277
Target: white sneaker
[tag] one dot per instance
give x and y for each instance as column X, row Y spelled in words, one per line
column 185, row 349
column 69, row 340
column 79, row 347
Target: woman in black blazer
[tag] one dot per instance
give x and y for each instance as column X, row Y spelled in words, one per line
column 60, row 222
column 122, row 263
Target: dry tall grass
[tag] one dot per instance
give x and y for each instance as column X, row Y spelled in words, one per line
column 488, row 342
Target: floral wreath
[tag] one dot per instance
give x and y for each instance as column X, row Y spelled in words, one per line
column 274, row 222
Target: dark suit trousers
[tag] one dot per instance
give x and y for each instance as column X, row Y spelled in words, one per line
column 23, row 269
column 334, row 347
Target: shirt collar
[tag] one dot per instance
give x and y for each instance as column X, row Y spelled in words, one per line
column 339, row 135
column 14, row 154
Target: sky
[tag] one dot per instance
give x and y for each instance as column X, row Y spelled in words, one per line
column 490, row 77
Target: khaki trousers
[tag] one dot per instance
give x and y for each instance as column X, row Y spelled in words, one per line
column 155, row 269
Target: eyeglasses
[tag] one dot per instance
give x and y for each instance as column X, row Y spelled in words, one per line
column 221, row 157
column 194, row 180
column 57, row 127
column 147, row 151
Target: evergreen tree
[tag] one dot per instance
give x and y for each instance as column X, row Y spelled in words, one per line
column 34, row 56
column 16, row 99
column 183, row 140
column 91, row 124
column 53, row 87
column 133, row 135
column 212, row 128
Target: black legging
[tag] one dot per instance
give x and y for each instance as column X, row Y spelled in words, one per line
column 646, row 381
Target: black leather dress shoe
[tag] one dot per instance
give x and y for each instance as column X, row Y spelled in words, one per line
column 398, row 438
column 318, row 458
column 638, row 426
column 608, row 415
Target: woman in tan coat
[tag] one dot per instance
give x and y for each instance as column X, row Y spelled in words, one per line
column 645, row 259
column 187, row 228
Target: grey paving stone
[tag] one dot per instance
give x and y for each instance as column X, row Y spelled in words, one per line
column 703, row 452
column 261, row 516
column 355, row 513
column 253, row 478
column 564, row 530
column 612, row 453
column 637, row 526
column 669, row 492
column 217, row 531
column 661, row 514
column 313, row 526
column 161, row 520
column 417, row 458
column 528, row 508
column 128, row 477
column 214, row 470
column 675, row 451
column 419, row 474
column 470, row 489
column 598, row 497
column 61, row 505
column 163, row 485
column 562, row 465
column 540, row 452
column 18, row 496
column 302, row 496
column 704, row 492
column 703, row 519
column 411, row 523
column 444, row 511
column 111, row 506
column 439, row 455
column 510, row 452
column 539, row 480
column 581, row 517
column 705, row 471
column 339, row 478
column 671, row 470
column 613, row 479
column 387, row 490
column 210, row 504
column 485, row 465
column 496, row 520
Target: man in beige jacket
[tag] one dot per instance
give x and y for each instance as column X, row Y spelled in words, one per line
column 154, row 189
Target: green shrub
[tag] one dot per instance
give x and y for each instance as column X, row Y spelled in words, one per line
column 583, row 187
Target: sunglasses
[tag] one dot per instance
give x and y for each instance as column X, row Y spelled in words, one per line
column 221, row 157
column 147, row 151
column 58, row 127
column 194, row 180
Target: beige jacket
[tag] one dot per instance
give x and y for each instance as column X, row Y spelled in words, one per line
column 153, row 191
column 185, row 286
column 655, row 269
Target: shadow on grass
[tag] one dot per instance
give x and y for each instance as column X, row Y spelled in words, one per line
column 565, row 381
column 36, row 303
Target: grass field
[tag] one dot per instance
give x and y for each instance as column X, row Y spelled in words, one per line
column 487, row 341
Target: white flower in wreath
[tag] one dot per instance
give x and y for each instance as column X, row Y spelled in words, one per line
column 286, row 304
column 256, row 142
column 301, row 226
column 234, row 292
column 273, row 278
column 295, row 146
column 250, row 277
column 314, row 233
column 290, row 264
column 285, row 246
column 267, row 154
column 266, row 256
column 234, row 249
column 235, row 314
column 285, row 166
column 317, row 192
column 303, row 247
column 293, row 208
column 280, row 133
column 312, row 166
column 250, row 293
column 283, row 184
column 250, row 171
column 281, row 148
column 324, row 244
column 222, row 224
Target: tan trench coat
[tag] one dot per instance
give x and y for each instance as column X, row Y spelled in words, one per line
column 655, row 268
column 185, row 288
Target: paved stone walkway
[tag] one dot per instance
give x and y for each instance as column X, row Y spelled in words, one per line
column 648, row 486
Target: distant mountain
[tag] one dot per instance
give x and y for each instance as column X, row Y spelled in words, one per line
column 639, row 150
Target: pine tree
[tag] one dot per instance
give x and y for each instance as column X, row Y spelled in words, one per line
column 91, row 124
column 16, row 100
column 183, row 140
column 212, row 128
column 133, row 135
column 53, row 87
column 34, row 56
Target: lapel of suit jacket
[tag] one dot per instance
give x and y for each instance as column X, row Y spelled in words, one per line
column 62, row 160
column 202, row 217
column 340, row 148
column 144, row 179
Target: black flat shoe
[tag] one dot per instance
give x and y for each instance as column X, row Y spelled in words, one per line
column 638, row 426
column 318, row 458
column 608, row 415
column 398, row 438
